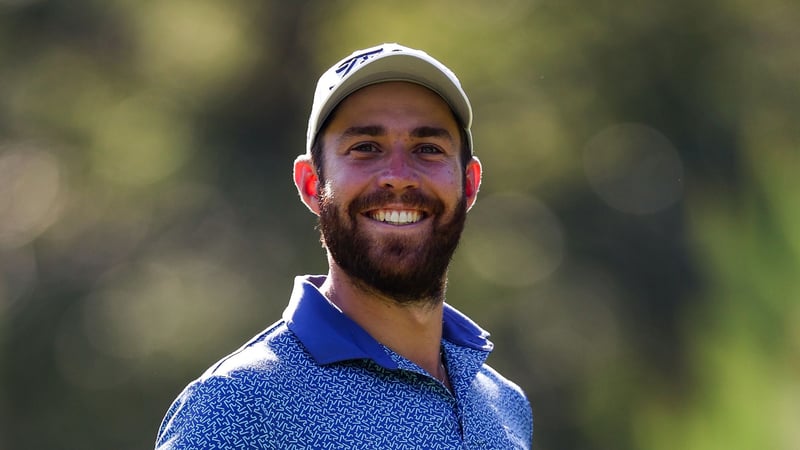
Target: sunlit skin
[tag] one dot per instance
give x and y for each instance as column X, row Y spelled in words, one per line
column 394, row 136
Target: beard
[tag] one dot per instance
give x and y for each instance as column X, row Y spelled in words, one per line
column 398, row 267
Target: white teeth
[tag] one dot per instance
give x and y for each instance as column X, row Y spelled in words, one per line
column 397, row 217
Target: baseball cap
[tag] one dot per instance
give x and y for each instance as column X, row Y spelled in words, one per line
column 386, row 62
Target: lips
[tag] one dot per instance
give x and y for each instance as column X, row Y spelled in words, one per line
column 396, row 216
column 387, row 207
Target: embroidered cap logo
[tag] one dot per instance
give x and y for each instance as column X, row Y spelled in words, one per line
column 348, row 65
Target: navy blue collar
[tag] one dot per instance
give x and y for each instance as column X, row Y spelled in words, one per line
column 330, row 336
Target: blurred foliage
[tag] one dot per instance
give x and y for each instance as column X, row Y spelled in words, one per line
column 634, row 251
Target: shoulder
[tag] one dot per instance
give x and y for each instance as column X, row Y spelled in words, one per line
column 507, row 400
column 497, row 386
column 273, row 349
column 218, row 409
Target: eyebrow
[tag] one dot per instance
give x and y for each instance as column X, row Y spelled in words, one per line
column 366, row 130
column 378, row 130
column 425, row 132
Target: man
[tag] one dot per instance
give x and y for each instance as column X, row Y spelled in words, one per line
column 370, row 356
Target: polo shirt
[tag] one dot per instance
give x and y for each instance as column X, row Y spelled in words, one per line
column 317, row 380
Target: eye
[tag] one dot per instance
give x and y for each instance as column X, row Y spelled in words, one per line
column 429, row 149
column 365, row 147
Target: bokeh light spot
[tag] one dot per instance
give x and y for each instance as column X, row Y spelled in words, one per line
column 30, row 193
column 634, row 168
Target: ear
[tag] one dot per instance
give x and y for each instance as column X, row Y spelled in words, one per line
column 307, row 182
column 472, row 181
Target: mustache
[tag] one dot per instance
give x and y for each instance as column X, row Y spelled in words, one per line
column 411, row 198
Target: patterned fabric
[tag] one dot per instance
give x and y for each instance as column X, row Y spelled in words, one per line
column 317, row 380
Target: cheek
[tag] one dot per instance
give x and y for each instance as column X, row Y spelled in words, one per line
column 456, row 179
column 343, row 188
column 449, row 185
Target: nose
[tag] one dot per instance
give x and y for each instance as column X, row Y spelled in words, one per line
column 398, row 173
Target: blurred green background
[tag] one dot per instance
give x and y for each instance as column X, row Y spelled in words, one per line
column 635, row 250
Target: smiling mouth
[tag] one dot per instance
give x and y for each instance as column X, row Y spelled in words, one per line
column 396, row 216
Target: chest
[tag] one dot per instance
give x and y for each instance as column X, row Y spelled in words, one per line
column 360, row 407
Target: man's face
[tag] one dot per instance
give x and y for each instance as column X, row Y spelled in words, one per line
column 392, row 204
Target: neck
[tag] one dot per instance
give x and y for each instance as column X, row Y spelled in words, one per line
column 413, row 331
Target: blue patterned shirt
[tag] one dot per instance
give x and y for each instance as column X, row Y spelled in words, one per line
column 317, row 380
